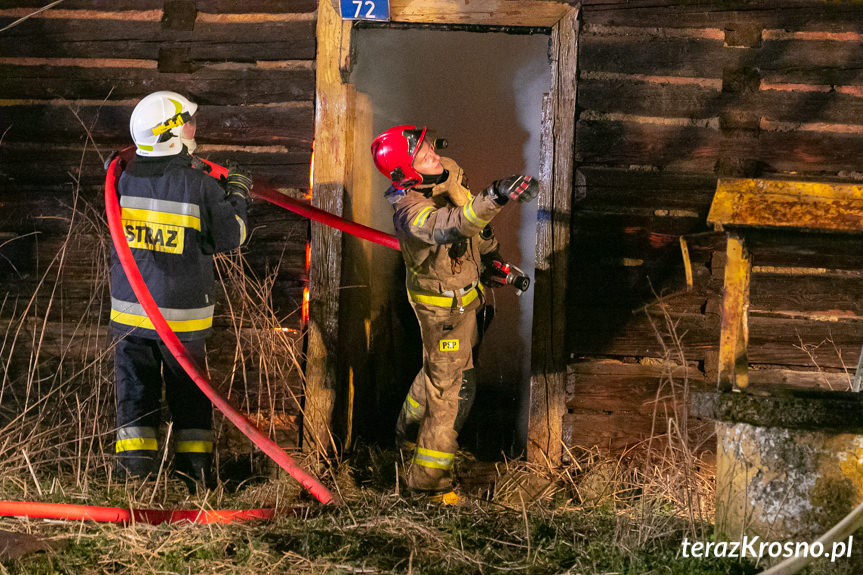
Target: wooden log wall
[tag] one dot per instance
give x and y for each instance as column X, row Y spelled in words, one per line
column 670, row 97
column 71, row 77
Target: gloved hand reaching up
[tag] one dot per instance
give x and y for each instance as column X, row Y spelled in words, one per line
column 521, row 188
column 238, row 182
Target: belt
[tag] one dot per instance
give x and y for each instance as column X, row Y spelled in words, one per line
column 462, row 291
column 450, row 298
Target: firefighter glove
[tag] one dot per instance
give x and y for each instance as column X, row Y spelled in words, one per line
column 521, row 188
column 238, row 182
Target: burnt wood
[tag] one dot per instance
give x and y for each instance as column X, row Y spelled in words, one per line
column 289, row 124
column 122, row 38
column 791, row 14
column 211, row 6
column 207, row 85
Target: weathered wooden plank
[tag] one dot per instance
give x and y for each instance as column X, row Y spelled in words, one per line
column 772, row 340
column 821, row 295
column 611, row 331
column 609, row 385
column 216, row 84
column 256, row 6
column 60, row 164
column 734, row 328
column 286, row 124
column 479, row 12
column 824, row 62
column 822, row 254
column 809, row 104
column 805, row 104
column 659, row 56
column 621, row 291
column 631, row 95
column 549, row 330
column 611, row 433
column 787, row 204
column 670, row 147
column 810, row 152
column 801, row 342
column 634, row 235
column 208, row 42
column 331, row 137
column 615, row 188
column 767, row 378
column 108, row 5
column 794, row 15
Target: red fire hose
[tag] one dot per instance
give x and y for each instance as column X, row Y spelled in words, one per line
column 311, row 212
column 276, row 453
column 120, row 515
column 156, row 516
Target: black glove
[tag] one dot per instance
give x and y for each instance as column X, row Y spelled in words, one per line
column 521, row 188
column 493, row 274
column 490, row 274
column 496, row 273
column 238, row 182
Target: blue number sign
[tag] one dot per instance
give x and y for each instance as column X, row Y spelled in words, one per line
column 365, row 9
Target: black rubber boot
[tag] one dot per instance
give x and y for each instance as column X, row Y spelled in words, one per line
column 136, row 464
column 195, row 469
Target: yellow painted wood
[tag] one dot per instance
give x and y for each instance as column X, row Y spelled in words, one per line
column 787, row 204
column 734, row 331
column 480, row 12
column 687, row 263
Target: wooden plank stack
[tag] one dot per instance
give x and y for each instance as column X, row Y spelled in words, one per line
column 670, row 98
column 71, row 77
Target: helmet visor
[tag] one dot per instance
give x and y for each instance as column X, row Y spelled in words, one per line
column 414, row 138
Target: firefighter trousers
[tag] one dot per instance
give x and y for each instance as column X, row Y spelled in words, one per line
column 443, row 391
column 140, row 366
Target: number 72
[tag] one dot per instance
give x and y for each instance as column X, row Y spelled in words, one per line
column 369, row 4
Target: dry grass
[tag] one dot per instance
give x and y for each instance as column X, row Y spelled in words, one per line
column 599, row 514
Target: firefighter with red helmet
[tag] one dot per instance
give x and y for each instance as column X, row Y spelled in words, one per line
column 175, row 218
column 445, row 240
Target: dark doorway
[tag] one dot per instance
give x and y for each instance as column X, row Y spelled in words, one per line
column 483, row 92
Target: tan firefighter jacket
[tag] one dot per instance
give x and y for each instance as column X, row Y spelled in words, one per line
column 439, row 235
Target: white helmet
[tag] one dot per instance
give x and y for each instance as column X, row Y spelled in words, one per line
column 158, row 124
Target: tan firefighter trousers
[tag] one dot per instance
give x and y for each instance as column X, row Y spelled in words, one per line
column 443, row 391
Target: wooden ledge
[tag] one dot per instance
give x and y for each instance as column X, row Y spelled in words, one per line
column 805, row 206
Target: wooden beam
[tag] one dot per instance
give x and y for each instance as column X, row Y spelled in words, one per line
column 479, row 12
column 549, row 351
column 734, row 330
column 787, row 204
column 330, row 173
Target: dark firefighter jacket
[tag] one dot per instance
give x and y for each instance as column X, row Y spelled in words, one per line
column 440, row 240
column 175, row 217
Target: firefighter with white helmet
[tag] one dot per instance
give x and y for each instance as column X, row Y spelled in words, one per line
column 445, row 240
column 175, row 218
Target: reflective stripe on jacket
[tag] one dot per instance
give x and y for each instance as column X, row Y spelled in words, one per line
column 174, row 217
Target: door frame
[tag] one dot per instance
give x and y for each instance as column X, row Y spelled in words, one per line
column 338, row 113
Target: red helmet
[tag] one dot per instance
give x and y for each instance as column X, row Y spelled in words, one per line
column 394, row 152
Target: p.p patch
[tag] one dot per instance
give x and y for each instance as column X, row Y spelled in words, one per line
column 449, row 345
